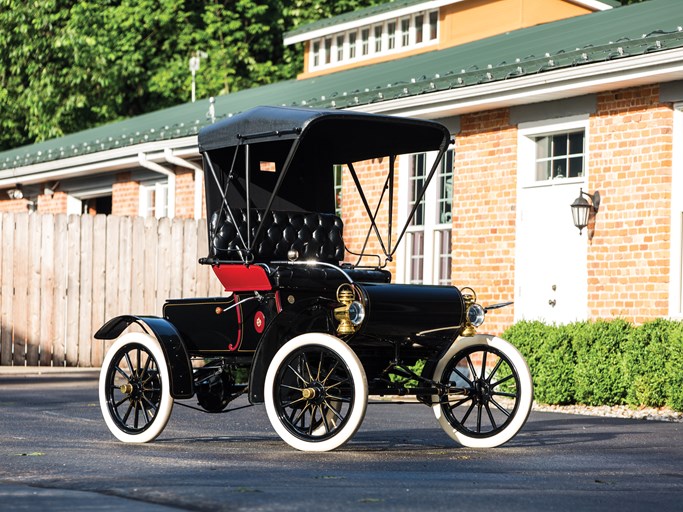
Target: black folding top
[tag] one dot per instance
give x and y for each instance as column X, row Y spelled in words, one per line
column 341, row 135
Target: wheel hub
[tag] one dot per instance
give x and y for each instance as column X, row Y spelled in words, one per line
column 315, row 393
column 482, row 391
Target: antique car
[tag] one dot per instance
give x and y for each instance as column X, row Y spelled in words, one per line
column 311, row 327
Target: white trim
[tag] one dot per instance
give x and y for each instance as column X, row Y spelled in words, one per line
column 318, row 60
column 526, row 148
column 101, row 161
column 651, row 68
column 170, row 175
column 593, row 4
column 92, row 193
column 371, row 20
column 676, row 255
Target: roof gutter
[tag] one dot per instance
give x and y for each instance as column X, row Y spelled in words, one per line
column 98, row 162
column 154, row 166
column 198, row 178
column 662, row 66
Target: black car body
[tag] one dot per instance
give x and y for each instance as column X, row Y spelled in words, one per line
column 316, row 327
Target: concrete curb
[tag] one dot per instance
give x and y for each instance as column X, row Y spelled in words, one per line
column 17, row 371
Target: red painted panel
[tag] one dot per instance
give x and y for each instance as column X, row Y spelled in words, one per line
column 240, row 278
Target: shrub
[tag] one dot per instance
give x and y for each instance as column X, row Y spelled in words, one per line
column 599, row 371
column 645, row 357
column 548, row 351
column 673, row 369
column 604, row 362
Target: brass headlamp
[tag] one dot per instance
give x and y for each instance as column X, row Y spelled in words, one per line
column 351, row 313
column 474, row 313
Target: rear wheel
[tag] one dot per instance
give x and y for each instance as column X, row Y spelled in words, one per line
column 316, row 392
column 491, row 391
column 134, row 388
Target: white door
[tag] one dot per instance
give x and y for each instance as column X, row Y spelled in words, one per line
column 551, row 275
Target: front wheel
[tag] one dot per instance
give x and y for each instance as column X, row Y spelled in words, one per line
column 316, row 392
column 490, row 391
column 134, row 388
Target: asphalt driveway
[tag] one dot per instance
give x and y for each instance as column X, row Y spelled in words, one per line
column 56, row 454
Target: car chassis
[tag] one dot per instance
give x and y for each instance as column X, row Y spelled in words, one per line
column 310, row 334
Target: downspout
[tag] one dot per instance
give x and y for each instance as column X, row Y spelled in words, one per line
column 198, row 178
column 153, row 166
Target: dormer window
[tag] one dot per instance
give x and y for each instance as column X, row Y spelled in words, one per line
column 365, row 41
column 375, row 40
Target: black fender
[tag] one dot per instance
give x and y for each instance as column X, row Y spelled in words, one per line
column 308, row 315
column 171, row 342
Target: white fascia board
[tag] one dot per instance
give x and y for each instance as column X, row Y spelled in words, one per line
column 593, row 4
column 371, row 20
column 101, row 161
column 659, row 67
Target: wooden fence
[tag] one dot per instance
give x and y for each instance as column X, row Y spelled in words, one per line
column 63, row 277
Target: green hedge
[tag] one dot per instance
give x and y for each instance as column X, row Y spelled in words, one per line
column 604, row 362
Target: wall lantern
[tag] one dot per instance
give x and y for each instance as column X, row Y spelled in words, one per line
column 581, row 208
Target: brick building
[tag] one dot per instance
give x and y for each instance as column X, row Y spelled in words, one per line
column 543, row 101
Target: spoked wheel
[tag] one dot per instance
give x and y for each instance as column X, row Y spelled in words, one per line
column 491, row 391
column 134, row 388
column 316, row 392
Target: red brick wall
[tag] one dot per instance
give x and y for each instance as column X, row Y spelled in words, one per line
column 184, row 186
column 55, row 203
column 125, row 196
column 12, row 205
column 484, row 196
column 372, row 176
column 630, row 153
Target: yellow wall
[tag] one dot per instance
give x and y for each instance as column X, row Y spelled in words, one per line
column 471, row 20
column 477, row 19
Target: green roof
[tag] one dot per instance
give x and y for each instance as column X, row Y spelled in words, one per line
column 652, row 26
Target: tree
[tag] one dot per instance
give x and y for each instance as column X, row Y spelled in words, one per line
column 67, row 65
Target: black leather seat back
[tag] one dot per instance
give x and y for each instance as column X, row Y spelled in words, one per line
column 315, row 236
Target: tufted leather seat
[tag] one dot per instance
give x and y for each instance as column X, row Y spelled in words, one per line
column 315, row 236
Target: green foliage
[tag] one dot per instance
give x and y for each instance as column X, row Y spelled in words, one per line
column 599, row 372
column 673, row 368
column 549, row 353
column 645, row 355
column 604, row 362
column 67, row 65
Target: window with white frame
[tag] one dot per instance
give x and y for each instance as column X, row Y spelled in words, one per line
column 419, row 28
column 405, row 32
column 365, row 41
column 398, row 34
column 315, row 54
column 340, row 48
column 427, row 247
column 433, row 25
column 554, row 150
column 154, row 199
column 560, row 155
column 328, row 50
column 353, row 36
column 391, row 35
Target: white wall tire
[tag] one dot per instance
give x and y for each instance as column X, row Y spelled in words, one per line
column 316, row 392
column 495, row 406
column 134, row 388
